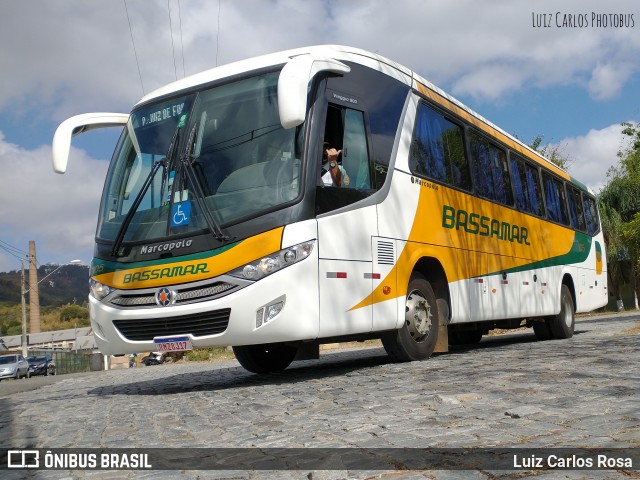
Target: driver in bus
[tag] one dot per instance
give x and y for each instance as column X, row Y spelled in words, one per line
column 333, row 174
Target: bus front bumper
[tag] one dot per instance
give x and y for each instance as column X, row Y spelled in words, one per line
column 263, row 312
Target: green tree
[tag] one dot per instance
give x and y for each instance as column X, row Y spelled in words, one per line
column 73, row 312
column 554, row 153
column 619, row 203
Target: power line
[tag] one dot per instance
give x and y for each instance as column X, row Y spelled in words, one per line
column 175, row 68
column 12, row 247
column 13, row 251
column 184, row 71
column 218, row 33
column 135, row 53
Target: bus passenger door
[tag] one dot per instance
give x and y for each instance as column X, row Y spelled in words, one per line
column 345, row 276
column 345, row 230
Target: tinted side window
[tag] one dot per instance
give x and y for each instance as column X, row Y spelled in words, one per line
column 355, row 156
column 591, row 214
column 491, row 172
column 437, row 150
column 520, row 184
column 383, row 98
column 533, row 189
column 346, row 131
column 575, row 209
column 526, row 184
column 555, row 198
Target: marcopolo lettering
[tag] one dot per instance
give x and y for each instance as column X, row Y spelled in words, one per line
column 165, row 272
column 165, row 247
column 477, row 224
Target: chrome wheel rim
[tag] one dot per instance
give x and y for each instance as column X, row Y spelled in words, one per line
column 418, row 316
column 567, row 307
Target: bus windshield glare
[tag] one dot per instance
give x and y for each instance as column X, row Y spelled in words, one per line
column 220, row 152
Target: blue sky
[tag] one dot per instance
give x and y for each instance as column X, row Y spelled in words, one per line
column 573, row 85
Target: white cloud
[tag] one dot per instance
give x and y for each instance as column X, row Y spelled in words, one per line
column 59, row 212
column 593, row 154
column 607, row 80
column 70, row 57
column 66, row 57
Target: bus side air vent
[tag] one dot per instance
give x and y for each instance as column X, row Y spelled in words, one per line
column 386, row 253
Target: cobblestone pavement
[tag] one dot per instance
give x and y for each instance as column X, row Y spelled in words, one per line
column 509, row 391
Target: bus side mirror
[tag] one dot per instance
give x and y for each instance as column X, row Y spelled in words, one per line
column 293, row 85
column 77, row 125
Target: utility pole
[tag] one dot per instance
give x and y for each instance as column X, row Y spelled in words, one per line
column 34, row 297
column 23, row 289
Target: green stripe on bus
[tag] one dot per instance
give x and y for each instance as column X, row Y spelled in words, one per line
column 579, row 253
column 100, row 267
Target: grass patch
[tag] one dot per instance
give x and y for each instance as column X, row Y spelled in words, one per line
column 366, row 343
column 213, row 354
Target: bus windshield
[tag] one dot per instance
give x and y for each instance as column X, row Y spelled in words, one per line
column 220, row 152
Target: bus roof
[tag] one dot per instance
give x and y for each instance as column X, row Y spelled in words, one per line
column 339, row 52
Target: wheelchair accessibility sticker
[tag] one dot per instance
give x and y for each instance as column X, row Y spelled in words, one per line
column 180, row 214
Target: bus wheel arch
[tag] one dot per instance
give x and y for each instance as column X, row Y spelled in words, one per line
column 432, row 270
column 426, row 308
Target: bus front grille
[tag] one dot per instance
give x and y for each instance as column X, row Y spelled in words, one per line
column 199, row 292
column 198, row 325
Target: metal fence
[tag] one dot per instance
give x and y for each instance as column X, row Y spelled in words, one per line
column 69, row 362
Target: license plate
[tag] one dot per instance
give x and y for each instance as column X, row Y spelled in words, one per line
column 173, row 344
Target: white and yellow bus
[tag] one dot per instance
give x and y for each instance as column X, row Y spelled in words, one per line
column 228, row 219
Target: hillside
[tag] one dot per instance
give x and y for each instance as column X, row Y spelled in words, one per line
column 70, row 284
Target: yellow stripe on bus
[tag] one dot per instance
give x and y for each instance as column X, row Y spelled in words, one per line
column 174, row 272
column 470, row 237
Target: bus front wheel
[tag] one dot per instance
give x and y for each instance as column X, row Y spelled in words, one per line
column 417, row 338
column 267, row 358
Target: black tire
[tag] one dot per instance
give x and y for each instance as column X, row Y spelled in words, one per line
column 465, row 337
column 417, row 338
column 563, row 324
column 542, row 330
column 273, row 357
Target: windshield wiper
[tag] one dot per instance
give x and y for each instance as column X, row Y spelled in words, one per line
column 166, row 161
column 187, row 165
column 134, row 207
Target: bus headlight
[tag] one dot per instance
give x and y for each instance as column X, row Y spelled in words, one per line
column 99, row 290
column 277, row 261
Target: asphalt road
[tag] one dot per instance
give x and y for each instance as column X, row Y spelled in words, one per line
column 510, row 391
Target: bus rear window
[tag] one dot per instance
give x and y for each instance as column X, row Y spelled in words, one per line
column 591, row 214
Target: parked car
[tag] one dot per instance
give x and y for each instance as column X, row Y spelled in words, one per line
column 41, row 365
column 13, row 366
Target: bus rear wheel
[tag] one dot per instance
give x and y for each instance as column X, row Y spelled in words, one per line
column 417, row 338
column 562, row 325
column 272, row 357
